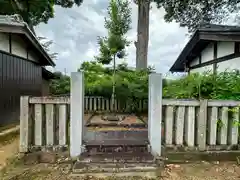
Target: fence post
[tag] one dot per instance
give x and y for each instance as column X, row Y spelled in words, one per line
column 155, row 113
column 24, row 124
column 202, row 125
column 77, row 114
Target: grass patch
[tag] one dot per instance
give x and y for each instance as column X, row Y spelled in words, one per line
column 12, row 163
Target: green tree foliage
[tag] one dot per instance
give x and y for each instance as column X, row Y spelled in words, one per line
column 225, row 85
column 34, row 11
column 98, row 79
column 191, row 13
column 117, row 24
column 132, row 86
column 60, row 85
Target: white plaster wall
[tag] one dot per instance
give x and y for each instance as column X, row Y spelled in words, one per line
column 207, row 53
column 19, row 46
column 194, row 62
column 202, row 69
column 229, row 65
column 225, row 48
column 4, row 42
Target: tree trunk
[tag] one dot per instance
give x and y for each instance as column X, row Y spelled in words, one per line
column 142, row 34
column 114, row 84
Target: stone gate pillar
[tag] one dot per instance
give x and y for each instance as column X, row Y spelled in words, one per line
column 77, row 114
column 155, row 113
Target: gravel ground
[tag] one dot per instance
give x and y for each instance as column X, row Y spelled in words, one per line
column 200, row 171
column 15, row 170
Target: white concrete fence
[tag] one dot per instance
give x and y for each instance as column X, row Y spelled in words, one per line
column 201, row 125
column 101, row 104
column 192, row 124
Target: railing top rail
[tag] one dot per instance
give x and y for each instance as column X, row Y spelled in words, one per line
column 180, row 102
column 221, row 103
column 49, row 100
column 165, row 102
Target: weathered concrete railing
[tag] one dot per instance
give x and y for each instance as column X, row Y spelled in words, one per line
column 201, row 125
column 101, row 104
column 190, row 124
column 44, row 122
column 196, row 125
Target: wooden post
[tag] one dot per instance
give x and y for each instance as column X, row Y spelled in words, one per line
column 24, row 124
column 155, row 113
column 180, row 125
column 38, row 124
column 234, row 128
column 169, row 125
column 224, row 128
column 77, row 114
column 213, row 126
column 190, row 132
column 50, row 124
column 202, row 125
column 62, row 124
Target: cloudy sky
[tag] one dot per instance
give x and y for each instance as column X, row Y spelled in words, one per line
column 74, row 32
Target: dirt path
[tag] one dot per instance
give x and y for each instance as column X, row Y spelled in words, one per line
column 8, row 150
column 203, row 171
column 197, row 171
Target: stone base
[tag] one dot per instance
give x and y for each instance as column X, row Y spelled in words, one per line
column 46, row 157
column 149, row 175
column 113, row 117
column 107, row 165
column 40, row 157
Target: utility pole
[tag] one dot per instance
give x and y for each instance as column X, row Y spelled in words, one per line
column 65, row 71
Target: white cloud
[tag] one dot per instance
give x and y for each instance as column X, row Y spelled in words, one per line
column 75, row 31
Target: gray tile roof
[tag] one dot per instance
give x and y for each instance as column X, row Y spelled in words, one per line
column 217, row 27
column 12, row 20
column 16, row 21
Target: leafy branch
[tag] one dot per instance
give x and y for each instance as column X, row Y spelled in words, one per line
column 118, row 24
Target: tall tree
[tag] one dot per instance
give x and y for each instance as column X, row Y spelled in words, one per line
column 189, row 13
column 192, row 13
column 142, row 33
column 142, row 42
column 118, row 23
column 34, row 11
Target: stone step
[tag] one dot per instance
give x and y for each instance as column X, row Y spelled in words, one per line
column 117, row 157
column 96, row 149
column 118, row 164
column 100, row 136
column 116, row 142
column 99, row 170
column 104, row 175
column 80, row 167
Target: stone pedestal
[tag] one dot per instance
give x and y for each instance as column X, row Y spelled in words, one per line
column 155, row 113
column 77, row 123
